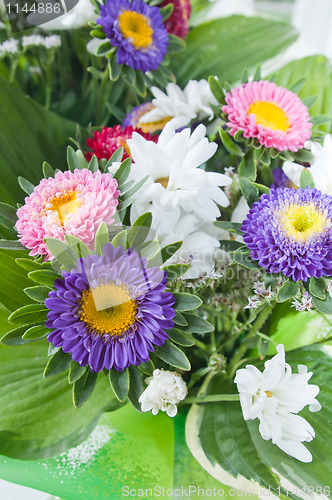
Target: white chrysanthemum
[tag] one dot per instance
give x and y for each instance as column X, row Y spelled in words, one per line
column 320, row 168
column 182, row 106
column 78, row 16
column 164, row 391
column 176, row 186
column 275, row 397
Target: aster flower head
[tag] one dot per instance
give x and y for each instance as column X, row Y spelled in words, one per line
column 320, row 167
column 179, row 106
column 137, row 30
column 273, row 115
column 178, row 22
column 165, row 390
column 70, row 203
column 275, row 396
column 106, row 142
column 176, row 185
column 289, row 231
column 111, row 310
column 135, row 114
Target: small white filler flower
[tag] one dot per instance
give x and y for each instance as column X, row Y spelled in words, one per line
column 164, row 391
column 275, row 396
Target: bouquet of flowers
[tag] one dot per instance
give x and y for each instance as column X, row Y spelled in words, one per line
column 179, row 258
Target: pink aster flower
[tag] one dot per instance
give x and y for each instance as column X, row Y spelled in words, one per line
column 70, row 203
column 178, row 22
column 275, row 116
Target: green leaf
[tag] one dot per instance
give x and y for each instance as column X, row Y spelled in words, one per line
column 72, row 160
column 14, row 337
column 58, row 363
column 242, row 256
column 101, row 238
column 288, row 291
column 83, row 388
column 247, row 167
column 297, row 86
column 120, row 383
column 78, row 247
column 139, row 230
column 229, row 144
column 179, row 319
column 121, row 175
column 120, row 240
column 174, row 271
column 217, row 89
column 103, row 49
column 196, row 324
column 62, row 252
column 166, row 11
column 13, row 280
column 232, row 227
column 32, row 313
column 129, row 75
column 48, row 171
column 136, row 387
column 31, row 264
column 38, row 293
column 116, row 158
column 147, row 367
column 237, row 35
column 8, row 212
column 306, row 179
column 319, row 119
column 11, row 245
column 172, row 355
column 324, row 306
column 249, row 191
column 93, row 164
column 54, row 425
column 44, row 277
column 186, row 302
column 27, row 186
column 179, row 337
column 36, row 332
column 75, row 372
column 317, row 288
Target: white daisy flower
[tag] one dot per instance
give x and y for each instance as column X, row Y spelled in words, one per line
column 176, row 186
column 320, row 168
column 275, row 397
column 78, row 16
column 181, row 106
column 164, row 391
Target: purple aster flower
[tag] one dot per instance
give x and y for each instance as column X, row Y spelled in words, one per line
column 280, row 179
column 111, row 310
column 132, row 119
column 289, row 231
column 137, row 29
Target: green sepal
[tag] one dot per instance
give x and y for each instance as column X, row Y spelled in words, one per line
column 172, row 355
column 186, row 302
column 30, row 314
column 83, row 387
column 136, row 387
column 120, row 383
column 287, row 291
column 58, row 363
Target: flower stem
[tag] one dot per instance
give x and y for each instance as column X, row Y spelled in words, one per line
column 211, row 398
column 258, row 323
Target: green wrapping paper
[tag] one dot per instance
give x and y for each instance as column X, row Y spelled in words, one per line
column 127, row 450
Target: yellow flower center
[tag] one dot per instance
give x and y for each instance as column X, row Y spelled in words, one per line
column 65, row 204
column 108, row 309
column 152, row 127
column 268, row 394
column 163, row 181
column 269, row 115
column 301, row 222
column 135, row 27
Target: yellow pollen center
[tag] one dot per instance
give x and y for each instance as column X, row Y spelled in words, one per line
column 268, row 394
column 152, row 127
column 108, row 309
column 135, row 27
column 163, row 181
column 269, row 115
column 301, row 222
column 64, row 204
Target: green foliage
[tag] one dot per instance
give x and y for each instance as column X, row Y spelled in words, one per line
column 186, row 302
column 53, row 424
column 120, row 383
column 172, row 355
column 288, row 291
